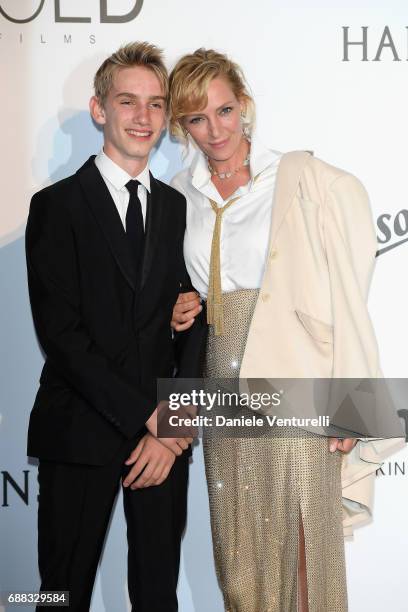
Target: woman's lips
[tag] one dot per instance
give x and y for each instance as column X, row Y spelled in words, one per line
column 218, row 145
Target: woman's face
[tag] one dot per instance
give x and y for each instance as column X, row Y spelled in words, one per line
column 217, row 128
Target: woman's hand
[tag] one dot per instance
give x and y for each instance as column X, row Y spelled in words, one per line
column 185, row 309
column 342, row 444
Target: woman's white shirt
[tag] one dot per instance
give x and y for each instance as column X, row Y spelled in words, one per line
column 245, row 226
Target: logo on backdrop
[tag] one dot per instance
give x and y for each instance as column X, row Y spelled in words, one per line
column 393, row 230
column 393, row 468
column 366, row 46
column 61, row 7
column 15, row 488
column 62, row 12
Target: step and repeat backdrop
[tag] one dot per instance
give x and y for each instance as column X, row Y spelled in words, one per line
column 328, row 77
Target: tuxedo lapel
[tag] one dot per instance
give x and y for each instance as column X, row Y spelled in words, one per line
column 104, row 210
column 154, row 213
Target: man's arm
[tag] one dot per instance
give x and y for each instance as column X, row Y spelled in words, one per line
column 53, row 276
column 188, row 323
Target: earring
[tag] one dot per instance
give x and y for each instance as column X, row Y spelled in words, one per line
column 245, row 127
column 244, row 123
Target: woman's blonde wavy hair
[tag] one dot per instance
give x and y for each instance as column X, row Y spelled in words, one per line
column 189, row 81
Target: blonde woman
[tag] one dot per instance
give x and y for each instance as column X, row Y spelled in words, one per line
column 281, row 248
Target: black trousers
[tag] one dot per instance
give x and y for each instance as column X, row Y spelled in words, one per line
column 75, row 504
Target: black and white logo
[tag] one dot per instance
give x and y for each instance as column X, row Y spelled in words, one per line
column 366, row 44
column 31, row 10
column 393, row 230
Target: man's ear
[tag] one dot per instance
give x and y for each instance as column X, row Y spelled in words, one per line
column 97, row 111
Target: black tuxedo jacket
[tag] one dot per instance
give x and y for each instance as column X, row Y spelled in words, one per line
column 105, row 330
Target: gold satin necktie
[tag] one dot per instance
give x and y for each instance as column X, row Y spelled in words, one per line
column 215, row 314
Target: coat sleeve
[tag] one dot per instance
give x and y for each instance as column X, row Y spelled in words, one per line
column 53, row 278
column 350, row 244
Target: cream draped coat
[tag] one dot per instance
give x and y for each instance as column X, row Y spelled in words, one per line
column 311, row 318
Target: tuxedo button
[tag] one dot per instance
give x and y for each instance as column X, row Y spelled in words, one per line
column 265, row 297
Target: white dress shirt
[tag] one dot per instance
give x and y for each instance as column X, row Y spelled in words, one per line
column 245, row 225
column 116, row 178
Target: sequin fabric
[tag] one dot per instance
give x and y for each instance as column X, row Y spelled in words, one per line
column 258, row 489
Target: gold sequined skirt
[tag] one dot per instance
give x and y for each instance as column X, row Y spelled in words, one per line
column 259, row 490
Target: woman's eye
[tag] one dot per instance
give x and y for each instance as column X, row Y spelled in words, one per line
column 126, row 102
column 195, row 120
column 226, row 110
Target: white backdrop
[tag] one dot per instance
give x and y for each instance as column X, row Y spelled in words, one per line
column 351, row 113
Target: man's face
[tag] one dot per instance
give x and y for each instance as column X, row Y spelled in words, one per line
column 133, row 116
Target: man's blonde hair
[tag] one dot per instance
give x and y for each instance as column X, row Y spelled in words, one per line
column 189, row 81
column 133, row 54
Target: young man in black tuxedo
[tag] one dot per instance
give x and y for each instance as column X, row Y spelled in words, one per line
column 105, row 267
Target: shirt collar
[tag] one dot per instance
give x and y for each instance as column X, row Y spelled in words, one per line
column 116, row 175
column 260, row 158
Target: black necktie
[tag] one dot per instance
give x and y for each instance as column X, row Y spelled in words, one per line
column 134, row 224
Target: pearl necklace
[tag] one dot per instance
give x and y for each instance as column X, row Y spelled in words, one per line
column 227, row 175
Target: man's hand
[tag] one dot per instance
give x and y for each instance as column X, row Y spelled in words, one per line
column 185, row 309
column 152, row 463
column 342, row 444
column 175, row 445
